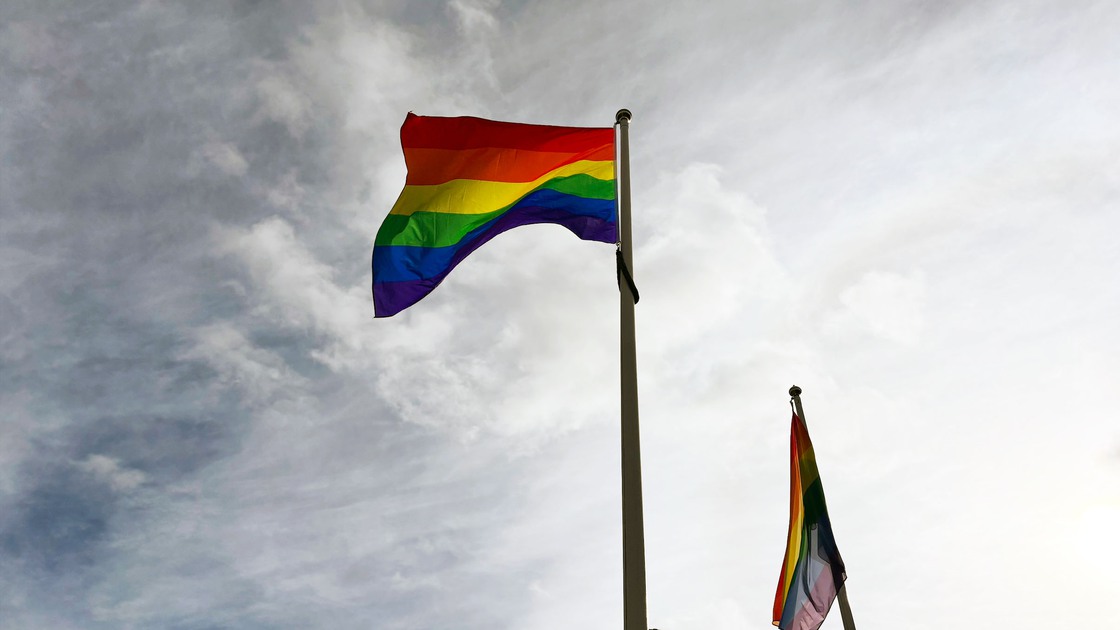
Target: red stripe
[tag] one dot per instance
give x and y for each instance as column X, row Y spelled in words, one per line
column 468, row 132
column 780, row 595
column 437, row 166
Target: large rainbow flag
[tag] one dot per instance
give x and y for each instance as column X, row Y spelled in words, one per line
column 813, row 572
column 470, row 179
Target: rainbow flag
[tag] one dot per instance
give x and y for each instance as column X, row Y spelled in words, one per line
column 813, row 572
column 470, row 179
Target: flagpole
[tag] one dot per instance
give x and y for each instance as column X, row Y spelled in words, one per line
column 842, row 596
column 633, row 536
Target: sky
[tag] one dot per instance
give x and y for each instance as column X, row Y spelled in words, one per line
column 907, row 208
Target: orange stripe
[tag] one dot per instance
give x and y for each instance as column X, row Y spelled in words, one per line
column 429, row 167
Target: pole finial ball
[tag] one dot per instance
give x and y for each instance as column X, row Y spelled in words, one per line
column 795, row 391
column 623, row 114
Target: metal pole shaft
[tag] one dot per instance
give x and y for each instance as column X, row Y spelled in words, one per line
column 633, row 536
column 842, row 596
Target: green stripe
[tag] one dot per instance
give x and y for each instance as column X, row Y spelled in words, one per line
column 582, row 185
column 813, row 502
column 439, row 229
column 430, row 229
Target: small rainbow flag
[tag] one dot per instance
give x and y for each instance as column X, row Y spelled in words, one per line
column 470, row 179
column 813, row 572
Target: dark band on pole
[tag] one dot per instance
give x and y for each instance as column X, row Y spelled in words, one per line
column 624, row 274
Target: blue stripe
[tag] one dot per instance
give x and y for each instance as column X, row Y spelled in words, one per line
column 587, row 218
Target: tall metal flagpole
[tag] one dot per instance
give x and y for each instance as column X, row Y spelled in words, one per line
column 633, row 536
column 842, row 596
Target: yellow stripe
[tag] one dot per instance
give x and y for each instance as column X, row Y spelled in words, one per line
column 793, row 549
column 796, row 523
column 472, row 196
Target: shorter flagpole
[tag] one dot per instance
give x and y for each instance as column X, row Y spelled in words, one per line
column 842, row 596
column 845, row 609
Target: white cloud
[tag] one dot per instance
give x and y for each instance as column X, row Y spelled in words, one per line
column 283, row 102
column 702, row 254
column 299, row 290
column 109, row 471
column 887, row 305
column 480, row 30
column 225, row 157
column 287, row 193
column 475, row 15
column 258, row 374
column 362, row 68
